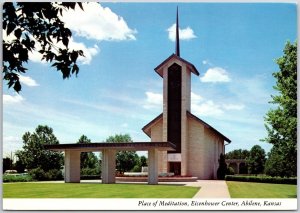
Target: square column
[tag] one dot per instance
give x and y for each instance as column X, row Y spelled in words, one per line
column 72, row 166
column 108, row 166
column 153, row 166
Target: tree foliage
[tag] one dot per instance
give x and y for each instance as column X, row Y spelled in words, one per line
column 143, row 161
column 34, row 155
column 7, row 164
column 37, row 27
column 125, row 160
column 256, row 160
column 222, row 170
column 281, row 121
column 237, row 154
column 87, row 159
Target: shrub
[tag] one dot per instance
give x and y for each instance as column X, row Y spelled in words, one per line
column 37, row 174
column 222, row 168
column 54, row 174
column 262, row 179
column 136, row 168
column 230, row 171
column 40, row 175
column 16, row 178
column 90, row 172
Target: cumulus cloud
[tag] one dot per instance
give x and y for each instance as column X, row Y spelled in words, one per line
column 233, row 106
column 204, row 107
column 88, row 52
column 12, row 99
column 195, row 99
column 207, row 108
column 184, row 34
column 215, row 74
column 94, row 22
column 97, row 22
column 28, row 81
column 153, row 100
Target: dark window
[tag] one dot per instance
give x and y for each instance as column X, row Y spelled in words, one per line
column 174, row 106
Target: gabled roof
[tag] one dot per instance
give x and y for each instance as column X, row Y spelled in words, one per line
column 190, row 66
column 147, row 127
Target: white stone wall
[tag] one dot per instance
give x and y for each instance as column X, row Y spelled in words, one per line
column 157, row 136
column 204, row 148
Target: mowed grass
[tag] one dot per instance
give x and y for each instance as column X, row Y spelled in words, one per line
column 261, row 190
column 95, row 190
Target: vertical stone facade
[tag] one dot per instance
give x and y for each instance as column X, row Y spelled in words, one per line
column 201, row 145
column 205, row 147
column 157, row 135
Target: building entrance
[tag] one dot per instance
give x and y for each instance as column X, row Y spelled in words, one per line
column 175, row 167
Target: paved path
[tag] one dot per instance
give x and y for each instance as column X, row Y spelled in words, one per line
column 211, row 189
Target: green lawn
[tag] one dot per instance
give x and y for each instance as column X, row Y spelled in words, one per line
column 261, row 190
column 95, row 190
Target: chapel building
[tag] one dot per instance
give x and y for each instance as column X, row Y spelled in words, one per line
column 198, row 145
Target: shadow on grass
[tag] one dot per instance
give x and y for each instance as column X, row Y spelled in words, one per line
column 136, row 183
column 292, row 196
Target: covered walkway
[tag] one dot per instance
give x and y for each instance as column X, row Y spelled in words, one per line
column 72, row 158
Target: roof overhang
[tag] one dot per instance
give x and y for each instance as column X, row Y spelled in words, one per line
column 95, row 147
column 190, row 66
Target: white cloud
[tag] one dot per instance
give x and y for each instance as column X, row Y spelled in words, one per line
column 207, row 108
column 204, row 107
column 195, row 99
column 216, row 74
column 94, row 22
column 97, row 22
column 184, row 34
column 153, row 100
column 88, row 52
column 233, row 106
column 28, row 81
column 9, row 99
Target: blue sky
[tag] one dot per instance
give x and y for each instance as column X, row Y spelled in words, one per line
column 234, row 47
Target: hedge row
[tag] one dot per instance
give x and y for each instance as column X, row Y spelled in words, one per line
column 262, row 179
column 16, row 178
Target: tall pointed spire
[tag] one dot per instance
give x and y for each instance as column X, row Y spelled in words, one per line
column 177, row 35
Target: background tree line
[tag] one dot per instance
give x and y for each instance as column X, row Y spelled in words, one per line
column 44, row 164
column 280, row 123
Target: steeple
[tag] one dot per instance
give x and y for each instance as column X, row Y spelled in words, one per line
column 177, row 51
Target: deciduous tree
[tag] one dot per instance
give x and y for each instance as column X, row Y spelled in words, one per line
column 256, row 160
column 237, row 154
column 87, row 159
column 34, row 155
column 126, row 160
column 36, row 26
column 281, row 121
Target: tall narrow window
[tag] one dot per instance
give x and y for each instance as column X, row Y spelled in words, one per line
column 174, row 106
